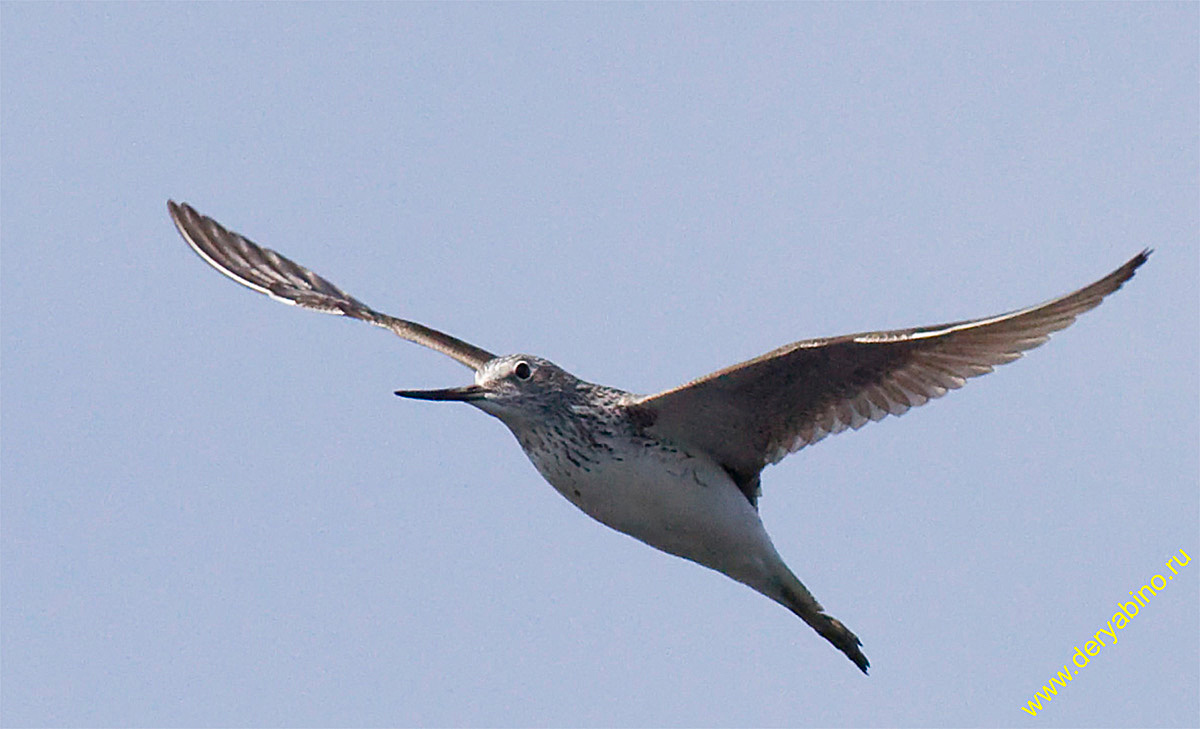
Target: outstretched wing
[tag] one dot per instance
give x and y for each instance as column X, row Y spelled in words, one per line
column 753, row 414
column 267, row 272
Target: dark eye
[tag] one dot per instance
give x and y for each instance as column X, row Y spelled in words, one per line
column 523, row 371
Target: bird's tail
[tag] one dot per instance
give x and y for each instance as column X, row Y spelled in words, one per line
column 796, row 597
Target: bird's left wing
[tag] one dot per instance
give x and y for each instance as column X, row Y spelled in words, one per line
column 755, row 413
column 270, row 273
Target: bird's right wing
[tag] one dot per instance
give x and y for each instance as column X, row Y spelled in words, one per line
column 755, row 413
column 267, row 272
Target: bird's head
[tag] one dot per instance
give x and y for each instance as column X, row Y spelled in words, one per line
column 514, row 387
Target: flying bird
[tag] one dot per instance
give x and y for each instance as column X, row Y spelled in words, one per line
column 680, row 470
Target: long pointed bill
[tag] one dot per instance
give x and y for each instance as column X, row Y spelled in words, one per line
column 465, row 394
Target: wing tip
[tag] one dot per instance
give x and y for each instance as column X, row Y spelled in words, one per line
column 184, row 216
column 179, row 210
column 1136, row 262
column 1119, row 277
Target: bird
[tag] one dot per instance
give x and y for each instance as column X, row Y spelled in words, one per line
column 680, row 470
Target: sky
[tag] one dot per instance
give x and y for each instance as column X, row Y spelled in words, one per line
column 214, row 512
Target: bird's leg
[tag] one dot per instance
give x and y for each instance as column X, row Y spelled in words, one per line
column 796, row 597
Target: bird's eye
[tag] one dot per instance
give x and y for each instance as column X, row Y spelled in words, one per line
column 523, row 371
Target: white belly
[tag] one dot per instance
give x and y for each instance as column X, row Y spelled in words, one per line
column 684, row 505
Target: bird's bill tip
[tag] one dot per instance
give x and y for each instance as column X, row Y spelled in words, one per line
column 462, row 394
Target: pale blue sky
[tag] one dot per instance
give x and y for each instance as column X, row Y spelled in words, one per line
column 216, row 513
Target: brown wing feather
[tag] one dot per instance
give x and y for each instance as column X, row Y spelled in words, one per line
column 267, row 272
column 755, row 413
